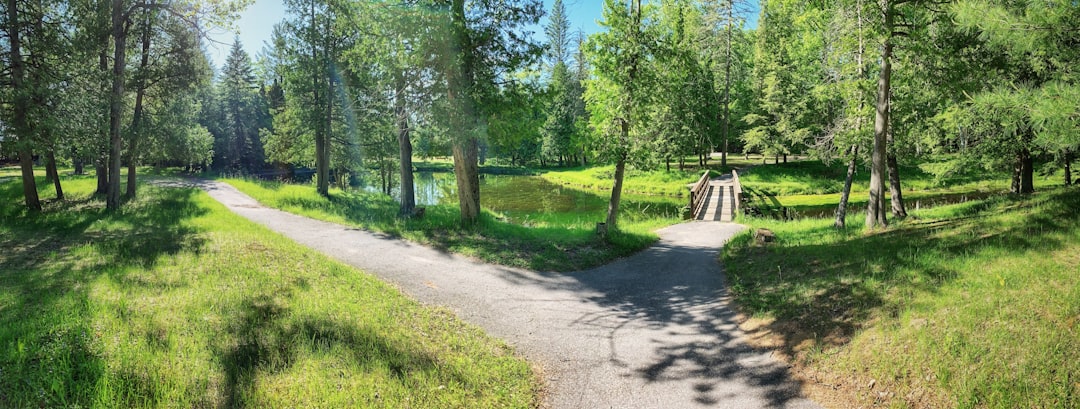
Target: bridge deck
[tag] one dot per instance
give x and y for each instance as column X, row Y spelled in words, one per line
column 720, row 200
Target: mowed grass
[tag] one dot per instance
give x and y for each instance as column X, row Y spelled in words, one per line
column 812, row 177
column 551, row 242
column 657, row 182
column 969, row 305
column 812, row 186
column 176, row 302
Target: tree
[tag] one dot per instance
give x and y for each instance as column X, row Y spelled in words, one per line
column 615, row 96
column 727, row 24
column 122, row 14
column 239, row 145
column 559, row 128
column 1033, row 104
column 21, row 95
column 779, row 124
column 483, row 49
column 309, row 47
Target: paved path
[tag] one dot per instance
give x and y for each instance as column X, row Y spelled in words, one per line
column 648, row 331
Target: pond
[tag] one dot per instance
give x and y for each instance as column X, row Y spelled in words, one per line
column 531, row 198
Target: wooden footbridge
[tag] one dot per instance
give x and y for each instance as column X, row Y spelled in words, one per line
column 716, row 199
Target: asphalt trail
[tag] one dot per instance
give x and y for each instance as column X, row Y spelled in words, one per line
column 653, row 330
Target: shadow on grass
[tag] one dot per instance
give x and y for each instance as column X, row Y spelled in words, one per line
column 824, row 285
column 269, row 340
column 496, row 241
column 45, row 300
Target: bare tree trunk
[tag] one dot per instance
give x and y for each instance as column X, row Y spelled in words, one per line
column 101, row 157
column 322, row 162
column 408, row 189
column 841, row 209
column 137, row 117
column 116, row 100
column 896, row 196
column 1068, row 167
column 52, row 174
column 1027, row 172
column 616, row 193
column 875, row 212
column 468, row 179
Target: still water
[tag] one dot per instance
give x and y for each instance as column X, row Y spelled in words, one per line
column 520, row 197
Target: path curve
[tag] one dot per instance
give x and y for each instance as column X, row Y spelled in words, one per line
column 653, row 330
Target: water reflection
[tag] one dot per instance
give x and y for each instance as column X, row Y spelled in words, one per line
column 524, row 197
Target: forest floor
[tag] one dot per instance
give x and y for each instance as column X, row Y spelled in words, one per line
column 650, row 330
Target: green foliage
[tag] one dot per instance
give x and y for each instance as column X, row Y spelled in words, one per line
column 245, row 115
column 176, row 302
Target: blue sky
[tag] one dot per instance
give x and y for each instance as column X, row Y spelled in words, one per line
column 257, row 23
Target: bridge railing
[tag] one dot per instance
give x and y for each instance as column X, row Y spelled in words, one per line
column 737, row 189
column 698, row 193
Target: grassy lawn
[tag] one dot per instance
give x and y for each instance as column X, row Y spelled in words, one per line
column 176, row 302
column 812, row 185
column 552, row 242
column 968, row 305
column 657, row 182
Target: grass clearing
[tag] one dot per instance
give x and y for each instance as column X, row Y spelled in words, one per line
column 658, row 182
column 551, row 242
column 968, row 305
column 176, row 302
column 813, row 177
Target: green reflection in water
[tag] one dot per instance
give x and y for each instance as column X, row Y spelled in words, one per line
column 532, row 200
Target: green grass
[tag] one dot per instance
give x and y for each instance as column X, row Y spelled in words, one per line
column 811, row 186
column 658, row 182
column 816, row 178
column 550, row 242
column 969, row 305
column 176, row 302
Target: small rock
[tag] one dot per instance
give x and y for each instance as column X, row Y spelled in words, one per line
column 764, row 236
column 871, row 384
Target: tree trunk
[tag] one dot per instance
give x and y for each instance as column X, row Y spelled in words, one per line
column 137, row 117
column 616, row 194
column 841, row 209
column 322, row 162
column 1068, row 167
column 466, row 147
column 727, row 85
column 116, row 100
column 896, row 196
column 19, row 123
column 50, row 170
column 408, row 189
column 468, row 179
column 79, row 169
column 875, row 212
